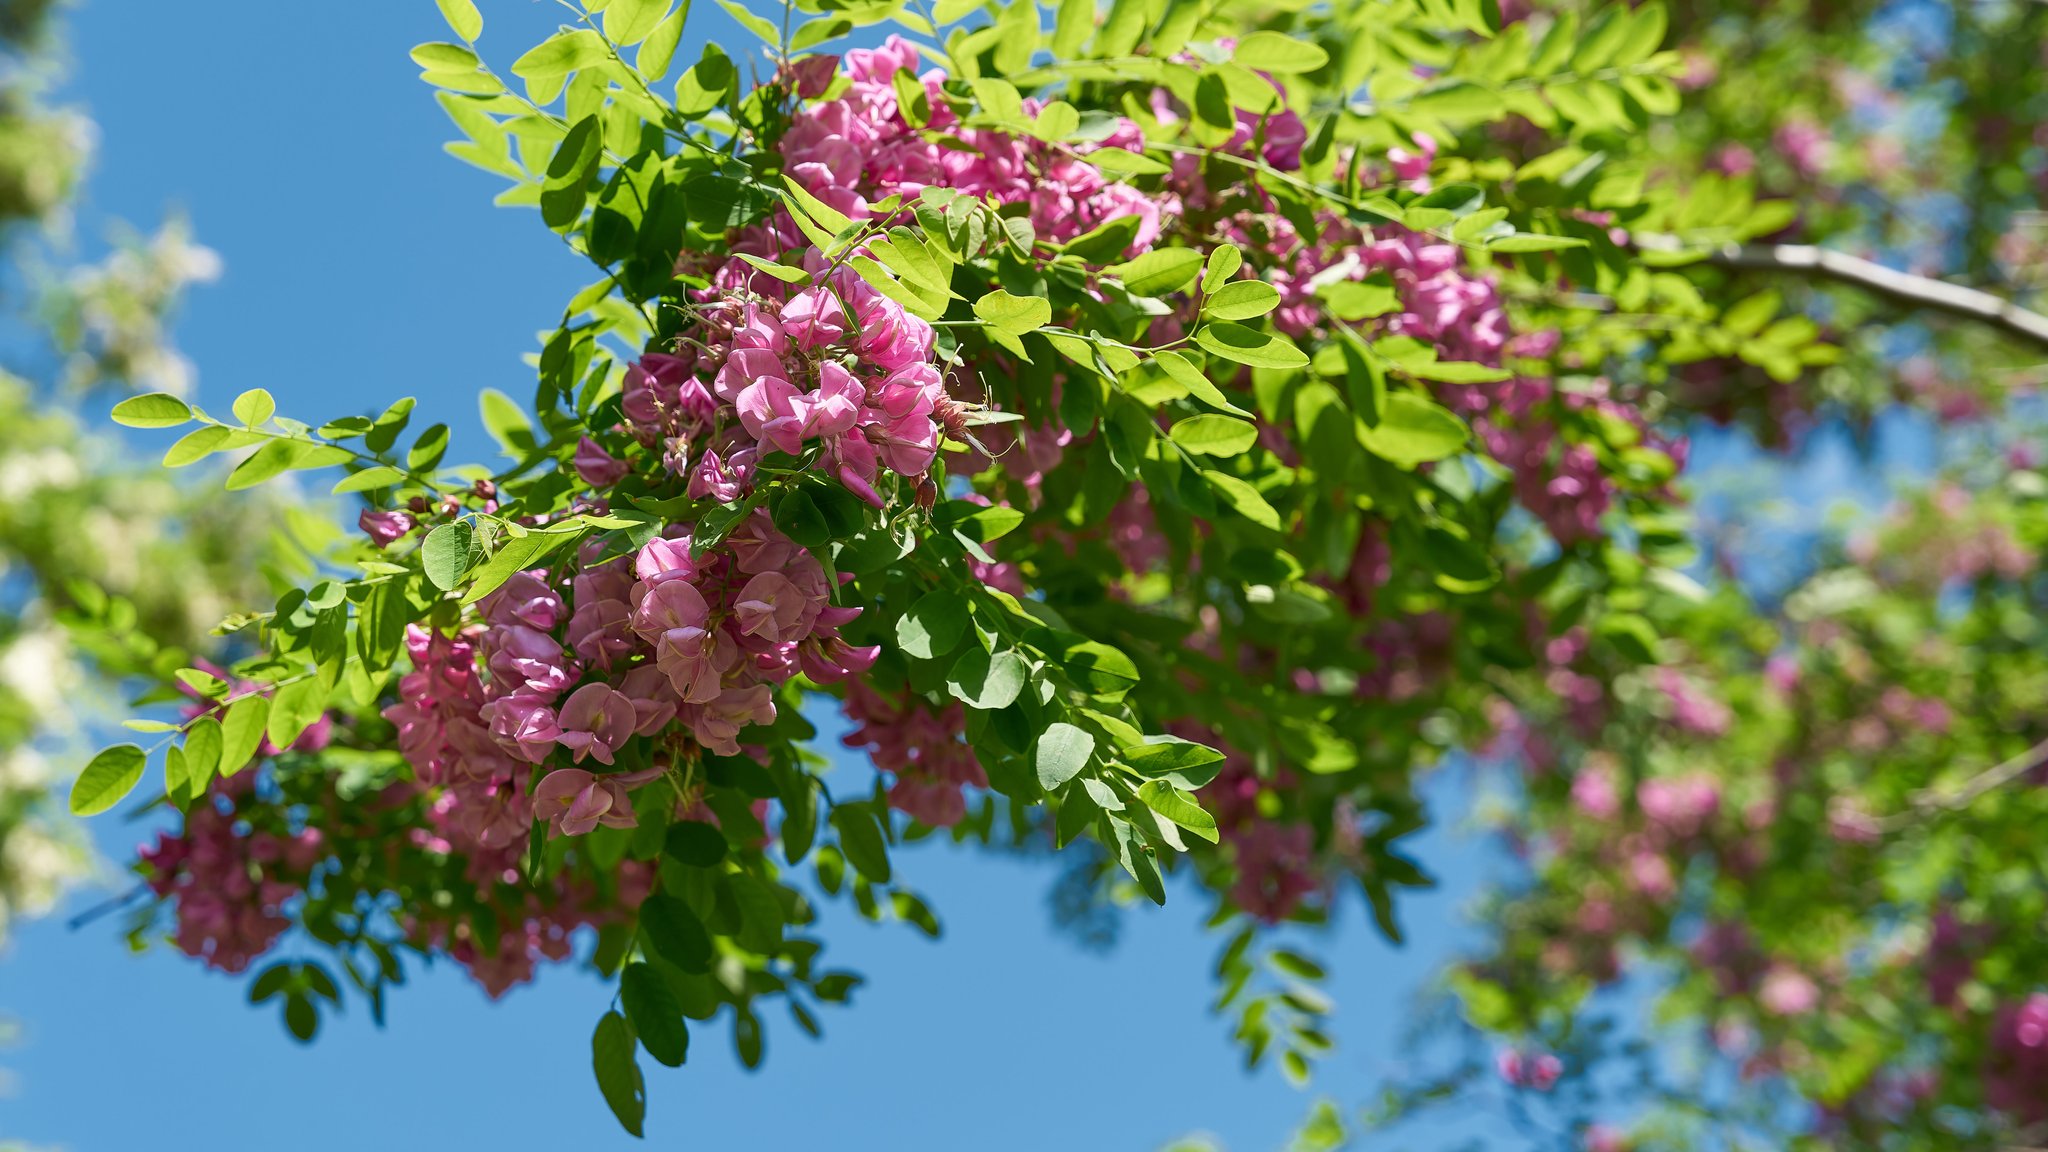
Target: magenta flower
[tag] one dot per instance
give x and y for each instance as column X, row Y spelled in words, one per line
column 574, row 802
column 768, row 411
column 527, row 723
column 385, row 527
column 1788, row 992
column 598, row 468
column 596, row 720
column 526, row 599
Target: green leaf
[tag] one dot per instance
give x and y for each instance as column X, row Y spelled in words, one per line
column 675, row 934
column 1105, row 242
column 561, row 54
column 628, row 22
column 1063, row 751
column 860, row 840
column 515, row 555
column 293, row 710
column 1532, row 242
column 1413, row 430
column 1213, row 435
column 989, row 524
column 987, row 682
column 1099, row 669
column 1168, row 754
column 1455, row 372
column 761, row 918
column 1160, row 272
column 177, row 777
column 753, row 23
column 463, row 17
column 1241, row 300
column 829, row 218
column 933, row 626
column 1224, row 261
column 568, row 179
column 694, row 844
column 659, row 51
column 241, row 732
column 1123, row 162
column 197, row 445
column 110, row 776
column 618, row 1074
column 1184, row 762
column 445, row 554
column 1277, row 52
column 1178, row 806
column 1360, row 300
column 1632, row 635
column 202, row 757
column 440, row 56
column 1182, row 372
column 1242, row 498
column 152, row 410
column 655, row 1013
column 380, row 476
column 254, row 407
column 782, row 272
column 504, row 419
column 1249, row 346
column 273, row 459
column 1013, row 315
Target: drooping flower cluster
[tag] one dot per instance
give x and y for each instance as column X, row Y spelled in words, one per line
column 231, row 884
column 859, row 148
column 2016, row 1075
column 921, row 746
column 685, row 649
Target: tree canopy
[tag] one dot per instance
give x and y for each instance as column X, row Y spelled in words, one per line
column 1168, row 431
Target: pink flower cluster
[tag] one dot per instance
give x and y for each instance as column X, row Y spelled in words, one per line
column 921, row 746
column 858, row 148
column 2016, row 1072
column 231, row 884
column 683, row 647
column 1539, row 1070
column 837, row 365
column 532, row 926
column 1276, row 861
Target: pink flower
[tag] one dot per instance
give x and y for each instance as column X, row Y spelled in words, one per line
column 1594, row 793
column 525, row 724
column 524, row 598
column 768, row 411
column 598, row 468
column 717, row 723
column 596, row 721
column 574, row 802
column 1787, row 992
column 813, row 318
column 771, row 608
column 384, row 527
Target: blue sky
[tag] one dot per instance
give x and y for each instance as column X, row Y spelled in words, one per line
column 362, row 264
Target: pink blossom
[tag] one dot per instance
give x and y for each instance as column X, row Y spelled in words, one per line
column 1787, row 992
column 384, row 527
column 574, row 802
column 596, row 721
column 597, row 467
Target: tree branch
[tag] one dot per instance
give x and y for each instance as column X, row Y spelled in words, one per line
column 1903, row 287
column 1928, row 800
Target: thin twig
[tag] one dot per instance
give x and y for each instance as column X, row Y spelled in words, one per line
column 1930, row 800
column 1904, row 287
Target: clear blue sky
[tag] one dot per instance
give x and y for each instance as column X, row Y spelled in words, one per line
column 362, row 264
